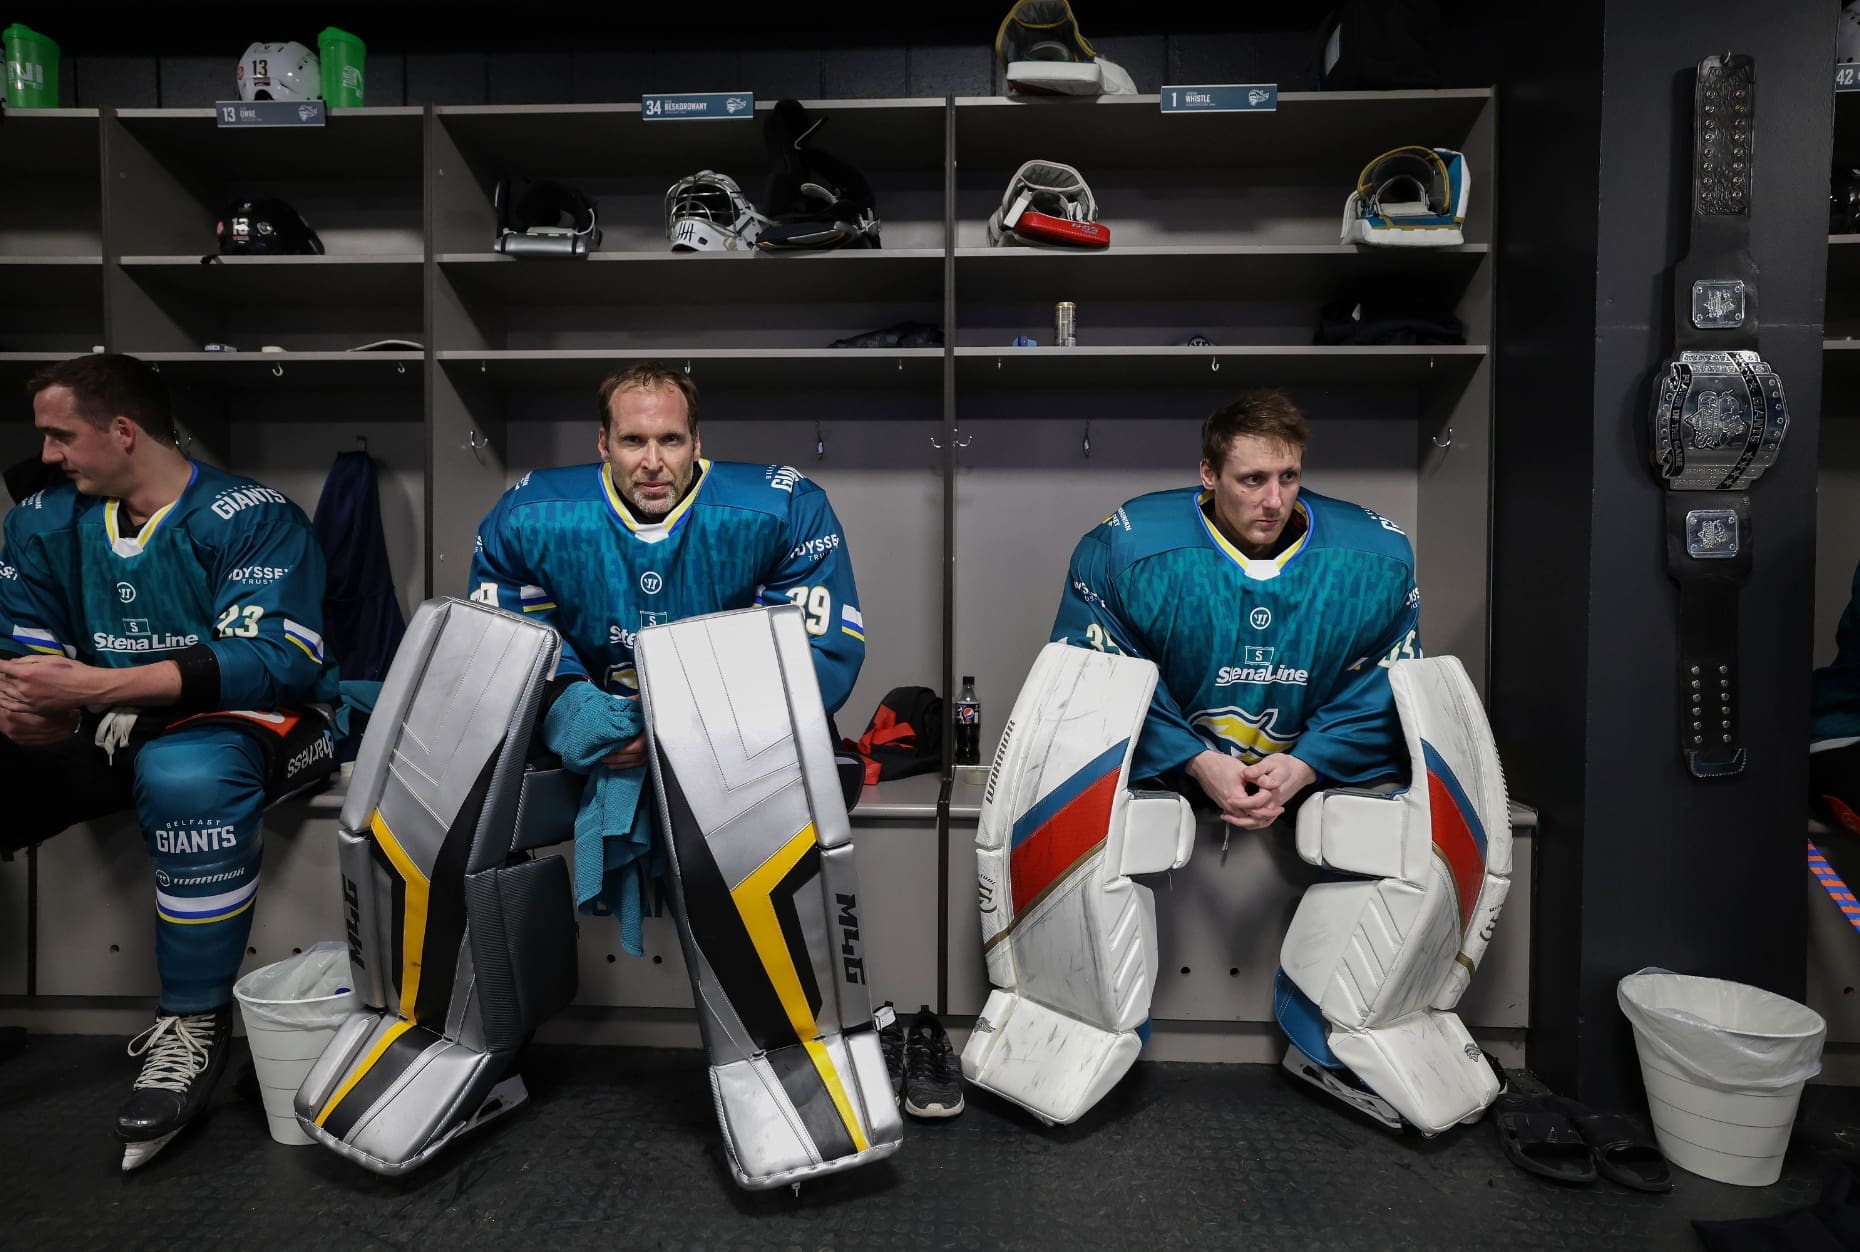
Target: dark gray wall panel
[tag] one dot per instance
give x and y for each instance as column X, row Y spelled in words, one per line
column 946, row 71
column 120, row 82
column 446, row 78
column 529, row 78
column 196, row 82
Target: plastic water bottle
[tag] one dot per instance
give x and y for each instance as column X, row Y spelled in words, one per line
column 341, row 58
column 968, row 725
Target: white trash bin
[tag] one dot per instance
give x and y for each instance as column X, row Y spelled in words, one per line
column 291, row 1010
column 1724, row 1066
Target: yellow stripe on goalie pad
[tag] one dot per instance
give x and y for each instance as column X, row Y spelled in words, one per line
column 757, row 907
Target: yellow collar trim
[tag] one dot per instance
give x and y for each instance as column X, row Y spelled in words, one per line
column 112, row 526
column 1256, row 567
column 618, row 502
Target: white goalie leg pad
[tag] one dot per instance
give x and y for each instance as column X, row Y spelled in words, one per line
column 1384, row 957
column 767, row 898
column 1070, row 938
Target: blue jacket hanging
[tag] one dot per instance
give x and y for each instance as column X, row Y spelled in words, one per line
column 362, row 622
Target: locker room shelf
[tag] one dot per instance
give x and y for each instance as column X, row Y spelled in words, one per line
column 1840, row 358
column 376, row 371
column 1206, row 272
column 589, row 140
column 698, row 277
column 1100, row 369
column 356, row 143
column 1341, row 128
column 56, row 281
column 298, row 281
column 818, row 369
column 56, row 145
column 1843, row 265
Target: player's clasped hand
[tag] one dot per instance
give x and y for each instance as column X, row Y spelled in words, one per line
column 46, row 685
column 627, row 755
column 1251, row 797
column 31, row 730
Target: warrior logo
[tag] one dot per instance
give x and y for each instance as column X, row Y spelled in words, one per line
column 1260, row 618
column 651, row 583
column 125, row 594
column 1717, row 420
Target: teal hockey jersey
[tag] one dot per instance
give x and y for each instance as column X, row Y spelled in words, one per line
column 1836, row 708
column 562, row 547
column 231, row 564
column 1282, row 654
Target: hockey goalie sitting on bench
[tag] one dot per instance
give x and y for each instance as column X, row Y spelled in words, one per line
column 1243, row 641
column 655, row 541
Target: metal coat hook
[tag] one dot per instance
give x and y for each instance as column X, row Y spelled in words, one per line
column 1214, row 364
column 820, row 443
column 400, row 367
column 960, row 443
column 484, row 367
column 687, row 367
column 1086, row 446
column 475, row 441
column 277, row 371
column 1435, row 439
column 187, row 440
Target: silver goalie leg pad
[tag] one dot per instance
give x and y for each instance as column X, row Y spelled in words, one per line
column 766, row 893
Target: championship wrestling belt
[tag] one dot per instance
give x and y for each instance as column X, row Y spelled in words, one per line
column 1719, row 417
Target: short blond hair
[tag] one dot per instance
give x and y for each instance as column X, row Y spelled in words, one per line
column 648, row 376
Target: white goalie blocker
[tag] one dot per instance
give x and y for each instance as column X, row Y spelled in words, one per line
column 1372, row 967
column 1070, row 938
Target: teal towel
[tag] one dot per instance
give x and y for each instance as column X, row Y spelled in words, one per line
column 353, row 698
column 615, row 856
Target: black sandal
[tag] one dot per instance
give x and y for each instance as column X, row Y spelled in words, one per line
column 1537, row 1135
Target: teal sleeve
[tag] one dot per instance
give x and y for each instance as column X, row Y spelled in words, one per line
column 1090, row 617
column 268, row 638
column 1356, row 735
column 816, row 573
column 502, row 575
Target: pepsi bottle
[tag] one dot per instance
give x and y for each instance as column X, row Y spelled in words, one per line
column 968, row 725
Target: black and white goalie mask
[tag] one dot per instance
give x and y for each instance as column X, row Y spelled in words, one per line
column 1048, row 203
column 707, row 212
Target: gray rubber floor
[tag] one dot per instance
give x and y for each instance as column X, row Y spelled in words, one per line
column 618, row 1149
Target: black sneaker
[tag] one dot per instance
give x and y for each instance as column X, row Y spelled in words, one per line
column 932, row 1083
column 891, row 1039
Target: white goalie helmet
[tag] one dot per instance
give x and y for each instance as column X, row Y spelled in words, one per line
column 280, row 71
column 707, row 212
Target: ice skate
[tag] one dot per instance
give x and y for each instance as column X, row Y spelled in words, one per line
column 182, row 1056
